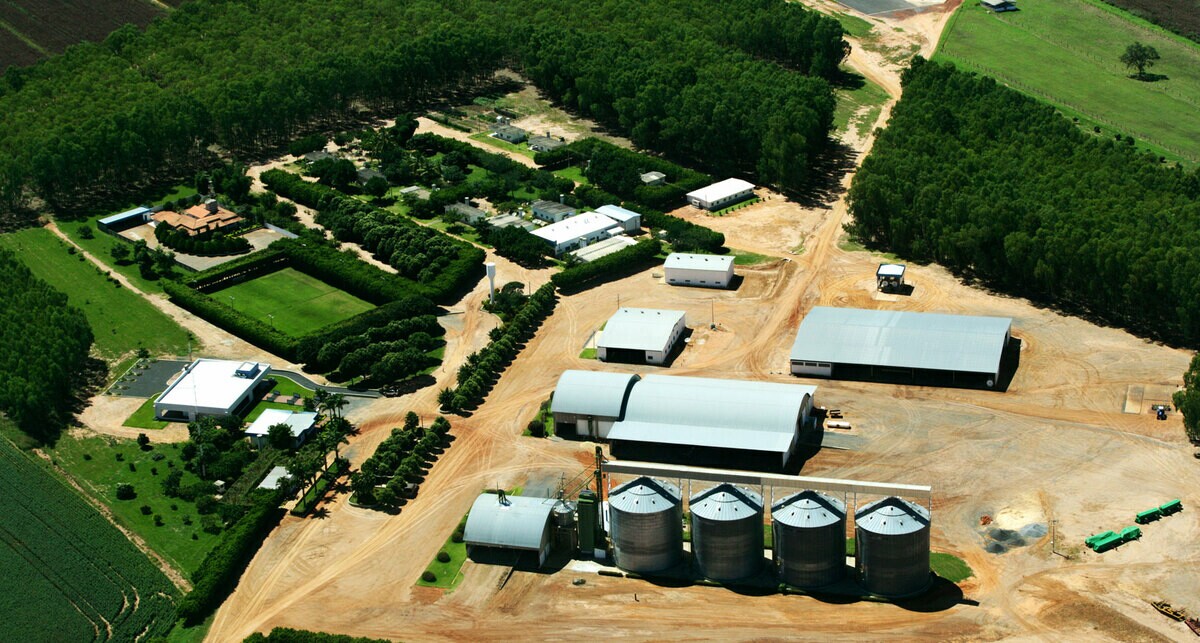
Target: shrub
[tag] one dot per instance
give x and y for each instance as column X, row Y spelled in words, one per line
column 211, row 524
column 125, row 492
column 143, row 441
column 158, row 520
column 443, row 557
column 428, row 576
column 146, row 510
column 132, row 467
column 221, row 568
column 456, row 537
column 614, row 266
column 206, row 504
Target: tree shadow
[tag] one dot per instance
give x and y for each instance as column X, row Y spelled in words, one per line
column 1149, row 77
column 825, row 179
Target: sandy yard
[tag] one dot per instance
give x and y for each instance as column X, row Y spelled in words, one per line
column 1056, row 446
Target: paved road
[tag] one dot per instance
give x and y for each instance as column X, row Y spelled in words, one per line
column 307, row 383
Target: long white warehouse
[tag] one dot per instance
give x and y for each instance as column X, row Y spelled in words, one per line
column 578, row 231
column 641, row 335
column 708, row 271
column 721, row 194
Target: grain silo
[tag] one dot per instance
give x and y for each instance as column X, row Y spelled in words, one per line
column 892, row 547
column 727, row 532
column 646, row 516
column 809, row 531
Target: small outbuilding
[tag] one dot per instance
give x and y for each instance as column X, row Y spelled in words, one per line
column 125, row 220
column 640, row 335
column 469, row 214
column 629, row 220
column 510, row 133
column 721, row 194
column 551, row 211
column 587, row 403
column 509, row 220
column 210, row 387
column 519, row 524
column 709, row 271
column 603, row 248
column 890, row 277
column 300, row 424
column 653, row 178
column 366, row 174
column 999, row 6
column 545, row 143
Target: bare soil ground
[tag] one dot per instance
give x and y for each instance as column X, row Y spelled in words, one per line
column 1056, row 446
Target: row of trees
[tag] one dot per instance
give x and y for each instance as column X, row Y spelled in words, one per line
column 207, row 244
column 398, row 461
column 118, row 113
column 619, row 264
column 481, row 369
column 996, row 186
column 44, row 346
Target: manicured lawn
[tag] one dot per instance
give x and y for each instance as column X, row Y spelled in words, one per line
column 143, row 418
column 950, row 567
column 854, row 25
column 300, row 303
column 747, row 258
column 92, row 462
column 286, row 387
column 1066, row 52
column 588, row 353
column 574, row 173
column 485, row 137
column 121, row 320
column 448, row 574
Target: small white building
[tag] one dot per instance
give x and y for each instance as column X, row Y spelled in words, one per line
column 721, row 194
column 551, row 211
column 577, row 232
column 603, row 248
column 276, row 478
column 890, row 276
column 711, row 271
column 210, row 387
column 643, row 335
column 653, row 178
column 510, row 133
column 629, row 220
column 301, row 425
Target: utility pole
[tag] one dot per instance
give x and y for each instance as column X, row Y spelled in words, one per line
column 1053, row 535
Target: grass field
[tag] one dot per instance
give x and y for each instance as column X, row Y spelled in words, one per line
column 1066, row 52
column 486, row 137
column 747, row 258
column 67, row 571
column 143, row 417
column 121, row 320
column 448, row 573
column 950, row 567
column 300, row 303
column 92, row 461
column 858, row 108
column 574, row 173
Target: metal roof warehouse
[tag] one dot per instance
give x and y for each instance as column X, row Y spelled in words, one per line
column 640, row 335
column 854, row 343
column 510, row 522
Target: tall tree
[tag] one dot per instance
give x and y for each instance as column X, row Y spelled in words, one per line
column 1140, row 57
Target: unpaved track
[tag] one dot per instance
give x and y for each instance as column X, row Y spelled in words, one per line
column 1055, row 445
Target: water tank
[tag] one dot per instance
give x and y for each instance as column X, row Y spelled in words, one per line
column 646, row 516
column 892, row 547
column 809, row 530
column 727, row 532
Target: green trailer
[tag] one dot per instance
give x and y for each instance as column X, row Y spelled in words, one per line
column 1130, row 533
column 1149, row 515
column 1107, row 543
column 1175, row 506
column 1095, row 538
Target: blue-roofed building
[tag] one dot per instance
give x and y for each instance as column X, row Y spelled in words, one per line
column 125, row 220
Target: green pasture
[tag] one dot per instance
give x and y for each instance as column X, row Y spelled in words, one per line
column 298, row 303
column 1066, row 53
column 121, row 320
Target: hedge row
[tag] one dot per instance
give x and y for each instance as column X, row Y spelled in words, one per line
column 331, row 352
column 237, row 270
column 482, row 369
column 614, row 266
column 223, row 566
column 398, row 460
column 204, row 245
column 289, row 635
column 346, row 271
column 683, row 235
column 310, row 346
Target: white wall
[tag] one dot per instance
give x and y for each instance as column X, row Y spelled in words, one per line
column 819, row 369
column 698, row 277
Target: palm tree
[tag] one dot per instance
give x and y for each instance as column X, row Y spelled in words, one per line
column 335, row 403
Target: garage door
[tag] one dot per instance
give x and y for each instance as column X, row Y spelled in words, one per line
column 817, row 369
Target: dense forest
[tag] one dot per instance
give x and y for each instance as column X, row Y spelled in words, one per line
column 249, row 76
column 997, row 186
column 44, row 344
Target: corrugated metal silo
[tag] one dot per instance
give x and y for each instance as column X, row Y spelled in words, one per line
column 891, row 539
column 809, row 531
column 727, row 532
column 647, row 525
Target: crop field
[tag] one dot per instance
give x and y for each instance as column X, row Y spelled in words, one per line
column 299, row 303
column 1066, row 52
column 1180, row 16
column 54, row 25
column 121, row 321
column 68, row 574
column 92, row 461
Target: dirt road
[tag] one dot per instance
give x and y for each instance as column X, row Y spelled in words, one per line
column 1055, row 446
